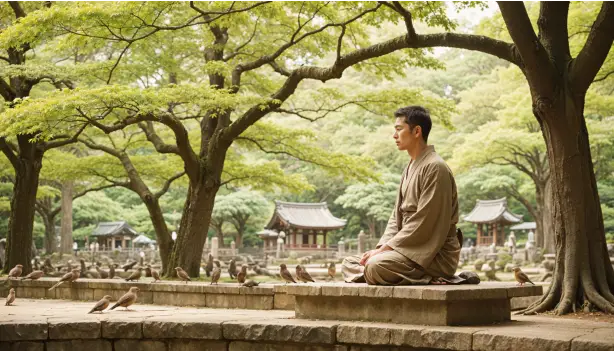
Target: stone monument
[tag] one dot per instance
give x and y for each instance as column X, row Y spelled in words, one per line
column 233, row 248
column 341, row 247
column 362, row 242
column 214, row 247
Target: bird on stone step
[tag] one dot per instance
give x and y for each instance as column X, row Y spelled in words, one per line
column 136, row 275
column 68, row 277
column 102, row 304
column 209, row 266
column 302, row 275
column 148, row 271
column 16, row 271
column 332, row 270
column 521, row 277
column 242, row 274
column 10, row 298
column 129, row 266
column 182, row 274
column 285, row 274
column 215, row 275
column 250, row 283
column 232, row 269
column 112, row 267
column 155, row 275
column 128, row 299
column 34, row 275
column 102, row 273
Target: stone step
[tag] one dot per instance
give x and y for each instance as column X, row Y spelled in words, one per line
column 430, row 305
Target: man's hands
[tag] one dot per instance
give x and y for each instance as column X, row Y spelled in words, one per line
column 367, row 255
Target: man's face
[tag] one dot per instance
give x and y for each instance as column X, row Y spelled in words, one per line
column 405, row 138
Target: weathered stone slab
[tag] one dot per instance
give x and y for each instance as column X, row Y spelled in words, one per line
column 118, row 329
column 525, row 337
column 522, row 302
column 601, row 339
column 22, row 331
column 89, row 345
column 298, row 331
column 254, row 346
column 23, row 346
column 283, row 302
column 304, row 289
column 226, row 301
column 445, row 338
column 72, row 329
column 371, row 334
column 190, row 345
column 187, row 328
column 139, row 345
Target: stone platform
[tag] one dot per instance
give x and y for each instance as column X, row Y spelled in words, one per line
column 54, row 325
column 429, row 305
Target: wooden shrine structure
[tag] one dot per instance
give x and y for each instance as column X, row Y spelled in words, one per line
column 301, row 223
column 492, row 216
column 113, row 235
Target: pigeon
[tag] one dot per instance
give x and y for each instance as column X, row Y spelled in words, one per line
column 242, row 274
column 10, row 298
column 302, row 275
column 101, row 305
column 103, row 274
column 155, row 275
column 112, row 271
column 136, row 275
column 209, row 266
column 250, row 283
column 521, row 277
column 68, row 277
column 16, row 271
column 332, row 270
column 285, row 274
column 127, row 299
column 232, row 269
column 34, row 275
column 215, row 275
column 129, row 266
column 182, row 274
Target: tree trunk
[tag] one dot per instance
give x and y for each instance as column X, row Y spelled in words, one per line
column 583, row 274
column 163, row 237
column 188, row 248
column 50, row 234
column 21, row 221
column 66, row 224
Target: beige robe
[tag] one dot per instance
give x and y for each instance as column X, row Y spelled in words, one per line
column 421, row 230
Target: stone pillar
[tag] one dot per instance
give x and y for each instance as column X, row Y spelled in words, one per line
column 341, row 247
column 207, row 243
column 280, row 245
column 233, row 248
column 214, row 247
column 362, row 242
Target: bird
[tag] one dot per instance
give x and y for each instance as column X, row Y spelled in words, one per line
column 136, row 275
column 521, row 277
column 148, row 271
column 103, row 274
column 36, row 264
column 10, row 298
column 82, row 263
column 250, row 283
column 209, row 266
column 302, row 275
column 155, row 275
column 285, row 274
column 16, row 271
column 215, row 275
column 332, row 270
column 232, row 269
column 34, row 275
column 242, row 274
column 127, row 299
column 111, row 271
column 101, row 305
column 128, row 266
column 68, row 277
column 182, row 274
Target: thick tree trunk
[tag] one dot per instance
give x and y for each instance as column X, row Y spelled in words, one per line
column 50, row 234
column 21, row 221
column 544, row 233
column 188, row 248
column 66, row 224
column 163, row 237
column 583, row 274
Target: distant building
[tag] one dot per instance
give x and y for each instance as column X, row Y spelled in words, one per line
column 494, row 216
column 114, row 235
column 302, row 223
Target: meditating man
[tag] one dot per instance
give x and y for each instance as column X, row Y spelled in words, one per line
column 420, row 244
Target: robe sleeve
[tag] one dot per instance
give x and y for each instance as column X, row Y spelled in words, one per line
column 391, row 228
column 424, row 233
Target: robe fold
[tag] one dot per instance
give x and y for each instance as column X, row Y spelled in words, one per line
column 421, row 229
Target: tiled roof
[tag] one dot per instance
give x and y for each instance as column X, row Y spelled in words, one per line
column 490, row 211
column 305, row 215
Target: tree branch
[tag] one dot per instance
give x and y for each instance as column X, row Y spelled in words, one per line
column 19, row 12
column 167, row 184
column 586, row 65
column 69, row 140
column 8, row 152
column 156, row 141
column 534, row 56
column 553, row 33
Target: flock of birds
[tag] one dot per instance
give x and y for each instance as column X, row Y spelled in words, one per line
column 129, row 298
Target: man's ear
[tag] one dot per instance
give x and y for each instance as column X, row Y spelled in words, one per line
column 417, row 131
